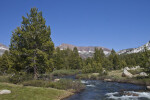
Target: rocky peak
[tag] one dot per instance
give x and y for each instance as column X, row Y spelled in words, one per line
column 135, row 50
column 84, row 51
column 3, row 48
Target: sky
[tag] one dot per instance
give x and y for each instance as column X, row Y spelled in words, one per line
column 117, row 24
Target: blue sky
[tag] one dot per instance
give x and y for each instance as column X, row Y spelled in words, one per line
column 117, row 24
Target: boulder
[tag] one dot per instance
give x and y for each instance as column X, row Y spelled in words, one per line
column 108, row 80
column 126, row 68
column 143, row 74
column 56, row 80
column 95, row 74
column 137, row 67
column 5, row 91
column 148, row 87
column 126, row 74
column 134, row 68
column 104, row 71
column 129, row 94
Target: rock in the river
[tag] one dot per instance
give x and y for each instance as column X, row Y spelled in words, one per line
column 143, row 74
column 148, row 87
column 5, row 91
column 126, row 74
column 129, row 94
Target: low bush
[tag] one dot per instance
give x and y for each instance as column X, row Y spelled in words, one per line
column 82, row 76
column 64, row 84
column 91, row 76
column 64, row 72
column 67, row 84
column 4, row 78
column 20, row 77
column 45, row 77
column 36, row 83
column 134, row 72
column 94, row 77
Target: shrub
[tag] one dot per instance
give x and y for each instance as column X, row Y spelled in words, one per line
column 66, row 84
column 135, row 71
column 92, row 76
column 82, row 76
column 20, row 77
column 45, row 77
column 4, row 78
column 36, row 83
column 64, row 72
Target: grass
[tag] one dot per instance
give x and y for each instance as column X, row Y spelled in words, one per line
column 63, row 84
column 137, row 71
column 64, row 72
column 88, row 76
column 20, row 92
column 116, row 75
column 67, row 84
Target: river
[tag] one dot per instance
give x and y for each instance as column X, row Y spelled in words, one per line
column 100, row 90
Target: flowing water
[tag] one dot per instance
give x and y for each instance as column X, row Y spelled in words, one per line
column 99, row 90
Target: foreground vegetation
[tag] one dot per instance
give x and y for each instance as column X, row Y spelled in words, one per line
column 20, row 92
column 32, row 60
column 26, row 80
column 64, row 72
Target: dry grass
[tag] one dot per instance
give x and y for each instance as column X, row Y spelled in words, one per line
column 115, row 74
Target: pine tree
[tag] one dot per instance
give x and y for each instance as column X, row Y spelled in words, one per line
column 5, row 63
column 74, row 59
column 145, row 60
column 98, row 55
column 122, row 64
column 31, row 45
column 107, row 64
column 59, row 59
column 113, row 57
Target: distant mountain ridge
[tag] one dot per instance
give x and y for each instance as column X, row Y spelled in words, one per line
column 3, row 48
column 84, row 51
column 135, row 50
column 88, row 51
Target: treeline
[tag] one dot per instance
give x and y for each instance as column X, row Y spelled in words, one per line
column 70, row 59
column 32, row 51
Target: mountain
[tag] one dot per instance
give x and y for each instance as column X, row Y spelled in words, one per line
column 84, row 51
column 135, row 50
column 3, row 48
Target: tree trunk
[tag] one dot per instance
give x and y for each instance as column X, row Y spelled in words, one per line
column 35, row 72
column 35, row 67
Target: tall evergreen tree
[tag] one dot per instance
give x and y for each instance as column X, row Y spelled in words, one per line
column 59, row 59
column 74, row 59
column 31, row 45
column 99, row 55
column 5, row 63
column 113, row 57
column 145, row 60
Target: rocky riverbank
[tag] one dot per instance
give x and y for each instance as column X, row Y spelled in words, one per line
column 134, row 75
